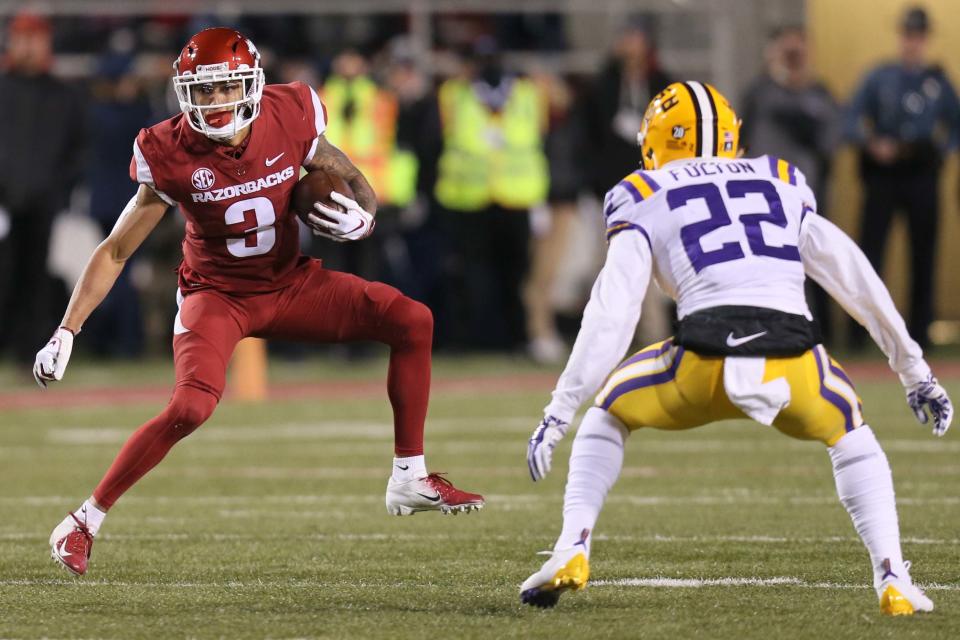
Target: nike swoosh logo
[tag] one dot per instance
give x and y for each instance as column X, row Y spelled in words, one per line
column 271, row 161
column 403, row 468
column 736, row 342
column 63, row 553
column 435, row 498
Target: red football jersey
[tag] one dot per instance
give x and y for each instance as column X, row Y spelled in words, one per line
column 241, row 236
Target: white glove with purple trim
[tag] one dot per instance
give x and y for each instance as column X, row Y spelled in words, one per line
column 341, row 226
column 927, row 396
column 545, row 437
column 52, row 360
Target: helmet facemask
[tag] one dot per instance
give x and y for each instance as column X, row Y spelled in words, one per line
column 245, row 110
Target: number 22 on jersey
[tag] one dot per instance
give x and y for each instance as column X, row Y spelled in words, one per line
column 692, row 234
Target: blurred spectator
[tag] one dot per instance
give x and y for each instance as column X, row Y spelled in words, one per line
column 41, row 126
column 904, row 117
column 565, row 154
column 413, row 253
column 789, row 114
column 362, row 122
column 118, row 110
column 615, row 106
column 491, row 172
column 614, row 110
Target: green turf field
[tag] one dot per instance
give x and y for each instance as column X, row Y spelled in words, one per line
column 269, row 522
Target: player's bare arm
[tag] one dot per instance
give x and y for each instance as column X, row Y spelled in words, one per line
column 329, row 158
column 137, row 220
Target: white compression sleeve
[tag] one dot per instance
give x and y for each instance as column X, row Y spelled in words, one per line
column 832, row 259
column 595, row 463
column 609, row 321
column 865, row 486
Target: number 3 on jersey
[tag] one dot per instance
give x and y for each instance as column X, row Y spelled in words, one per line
column 693, row 233
column 257, row 217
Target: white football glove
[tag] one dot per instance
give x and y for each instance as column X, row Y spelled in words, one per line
column 545, row 437
column 352, row 224
column 53, row 358
column 926, row 397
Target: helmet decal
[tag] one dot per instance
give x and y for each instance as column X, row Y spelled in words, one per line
column 706, row 112
column 688, row 120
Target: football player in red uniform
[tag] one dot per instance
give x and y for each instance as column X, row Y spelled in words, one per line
column 231, row 160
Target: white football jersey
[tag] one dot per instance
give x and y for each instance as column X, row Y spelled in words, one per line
column 716, row 232
column 721, row 231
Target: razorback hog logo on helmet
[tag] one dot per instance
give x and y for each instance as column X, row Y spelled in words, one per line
column 202, row 178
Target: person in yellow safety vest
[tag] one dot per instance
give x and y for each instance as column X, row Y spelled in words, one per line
column 492, row 145
column 363, row 123
column 492, row 169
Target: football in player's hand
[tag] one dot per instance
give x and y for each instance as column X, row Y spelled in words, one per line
column 316, row 187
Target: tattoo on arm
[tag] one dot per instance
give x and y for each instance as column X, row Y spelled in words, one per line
column 332, row 160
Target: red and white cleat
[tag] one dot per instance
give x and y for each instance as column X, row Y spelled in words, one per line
column 433, row 493
column 70, row 545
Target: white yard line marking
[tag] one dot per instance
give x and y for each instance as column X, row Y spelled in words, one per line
column 322, row 430
column 657, row 582
column 729, row 497
column 186, row 535
column 366, row 430
column 780, row 581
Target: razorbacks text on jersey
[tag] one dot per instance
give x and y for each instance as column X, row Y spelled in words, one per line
column 721, row 231
column 240, row 235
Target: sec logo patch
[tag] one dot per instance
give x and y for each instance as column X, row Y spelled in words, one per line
column 202, row 178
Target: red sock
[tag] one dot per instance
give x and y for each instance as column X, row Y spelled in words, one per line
column 408, row 328
column 188, row 409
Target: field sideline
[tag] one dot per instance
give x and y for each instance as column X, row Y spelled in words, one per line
column 269, row 521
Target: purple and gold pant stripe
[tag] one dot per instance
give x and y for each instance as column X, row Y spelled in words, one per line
column 659, row 375
column 837, row 389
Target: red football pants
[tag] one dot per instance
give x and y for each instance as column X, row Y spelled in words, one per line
column 321, row 306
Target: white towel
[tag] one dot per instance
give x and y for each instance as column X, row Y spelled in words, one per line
column 743, row 381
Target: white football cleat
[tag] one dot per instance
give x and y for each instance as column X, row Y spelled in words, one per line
column 899, row 596
column 432, row 493
column 70, row 545
column 567, row 569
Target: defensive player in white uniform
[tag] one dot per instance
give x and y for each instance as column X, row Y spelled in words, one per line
column 731, row 240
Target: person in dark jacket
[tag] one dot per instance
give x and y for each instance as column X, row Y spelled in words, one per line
column 41, row 126
column 118, row 110
column 614, row 107
column 904, row 117
column 788, row 113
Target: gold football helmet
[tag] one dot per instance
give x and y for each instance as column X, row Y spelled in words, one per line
column 688, row 120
